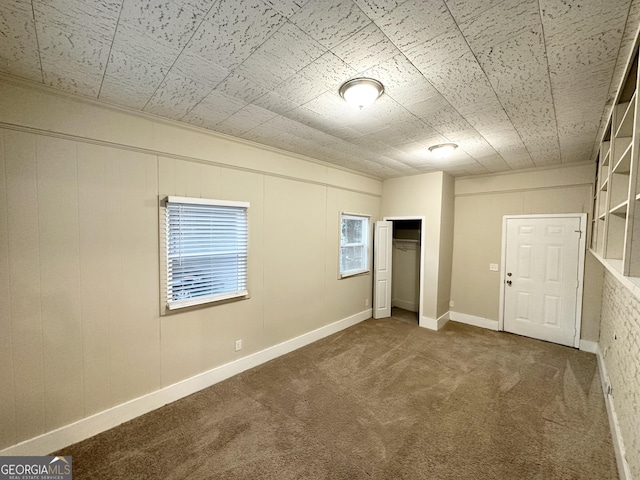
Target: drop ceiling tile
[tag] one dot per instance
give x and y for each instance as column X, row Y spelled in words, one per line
column 366, row 48
column 198, row 69
column 585, row 59
column 464, row 10
column 67, row 76
column 286, row 8
column 136, row 43
column 130, row 81
column 493, row 163
column 429, row 57
column 175, row 96
column 213, row 109
column 573, row 22
column 330, row 22
column 413, row 93
column 265, row 71
column 233, row 30
column 275, row 103
column 107, row 7
column 19, row 47
column 415, row 22
column 292, row 47
column 72, row 47
column 517, row 68
column 80, row 41
column 198, row 7
column 237, row 86
column 168, row 22
column 395, row 73
column 281, row 56
column 500, row 23
column 326, row 73
column 376, row 8
column 91, row 22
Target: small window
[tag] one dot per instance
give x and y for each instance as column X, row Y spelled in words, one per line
column 354, row 244
column 206, row 243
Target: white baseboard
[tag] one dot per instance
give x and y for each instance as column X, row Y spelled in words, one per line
column 405, row 304
column 434, row 323
column 616, row 435
column 473, row 320
column 588, row 346
column 90, row 426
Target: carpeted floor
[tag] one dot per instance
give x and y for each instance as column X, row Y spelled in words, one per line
column 384, row 400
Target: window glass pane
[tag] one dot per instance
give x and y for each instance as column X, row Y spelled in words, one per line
column 352, row 230
column 352, row 258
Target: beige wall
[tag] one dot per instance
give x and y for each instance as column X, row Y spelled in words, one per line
column 480, row 204
column 79, row 258
column 427, row 195
column 446, row 244
column 405, row 284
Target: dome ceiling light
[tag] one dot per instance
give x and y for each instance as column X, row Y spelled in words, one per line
column 443, row 150
column 361, row 92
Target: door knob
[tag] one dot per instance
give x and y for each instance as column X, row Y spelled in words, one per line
column 509, row 282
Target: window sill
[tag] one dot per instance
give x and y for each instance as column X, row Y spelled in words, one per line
column 342, row 276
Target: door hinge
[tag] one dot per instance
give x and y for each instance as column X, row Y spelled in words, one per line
column 580, row 232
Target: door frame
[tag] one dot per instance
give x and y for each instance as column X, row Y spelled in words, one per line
column 581, row 258
column 423, row 220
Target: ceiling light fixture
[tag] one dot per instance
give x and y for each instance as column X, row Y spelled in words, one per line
column 443, row 150
column 361, row 92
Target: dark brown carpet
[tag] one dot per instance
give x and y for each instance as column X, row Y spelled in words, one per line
column 385, row 400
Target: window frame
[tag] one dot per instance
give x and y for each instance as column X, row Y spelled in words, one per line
column 169, row 306
column 366, row 232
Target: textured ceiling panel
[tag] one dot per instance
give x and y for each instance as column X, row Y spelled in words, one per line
column 515, row 83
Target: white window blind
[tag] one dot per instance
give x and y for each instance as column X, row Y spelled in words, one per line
column 206, row 250
column 354, row 244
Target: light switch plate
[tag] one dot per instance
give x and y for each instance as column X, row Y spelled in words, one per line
column 493, row 267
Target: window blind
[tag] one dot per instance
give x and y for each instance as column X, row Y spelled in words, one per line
column 206, row 251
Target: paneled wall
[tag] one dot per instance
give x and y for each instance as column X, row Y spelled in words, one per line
column 480, row 204
column 80, row 320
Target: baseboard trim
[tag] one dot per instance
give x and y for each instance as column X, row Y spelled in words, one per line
column 588, row 346
column 616, row 435
column 405, row 304
column 90, row 426
column 434, row 323
column 474, row 321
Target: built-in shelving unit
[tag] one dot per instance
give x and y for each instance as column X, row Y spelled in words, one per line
column 615, row 223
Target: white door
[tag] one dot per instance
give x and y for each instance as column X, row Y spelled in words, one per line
column 382, row 243
column 541, row 278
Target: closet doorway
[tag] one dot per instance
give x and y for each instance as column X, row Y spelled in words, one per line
column 399, row 263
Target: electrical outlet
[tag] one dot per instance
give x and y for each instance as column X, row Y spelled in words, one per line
column 366, row 302
column 238, row 345
column 451, row 303
column 493, row 267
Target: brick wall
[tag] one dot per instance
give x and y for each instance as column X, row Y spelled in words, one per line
column 620, row 347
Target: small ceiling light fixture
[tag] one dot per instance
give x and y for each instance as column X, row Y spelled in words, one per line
column 443, row 150
column 361, row 92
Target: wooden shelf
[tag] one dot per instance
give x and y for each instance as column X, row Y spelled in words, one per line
column 605, row 185
column 616, row 231
column 620, row 209
column 627, row 114
column 606, row 146
column 624, row 164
